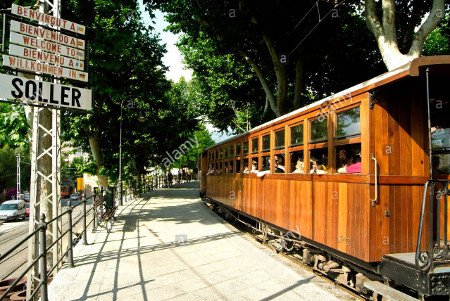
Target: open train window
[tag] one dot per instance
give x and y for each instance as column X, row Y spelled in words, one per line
column 297, row 135
column 238, row 166
column 440, row 131
column 348, row 123
column 266, row 142
column 245, row 166
column 221, row 153
column 318, row 162
column 348, row 158
column 297, row 163
column 279, row 139
column 265, row 163
column 231, row 151
column 226, row 152
column 231, row 167
column 279, row 164
column 319, row 129
column 255, row 145
column 238, row 150
column 254, row 167
column 245, row 147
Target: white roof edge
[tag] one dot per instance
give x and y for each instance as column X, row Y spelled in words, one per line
column 319, row 102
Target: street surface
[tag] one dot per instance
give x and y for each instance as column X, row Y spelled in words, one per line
column 12, row 233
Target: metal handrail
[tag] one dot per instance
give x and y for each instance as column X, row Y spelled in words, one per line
column 438, row 248
column 374, row 201
column 41, row 259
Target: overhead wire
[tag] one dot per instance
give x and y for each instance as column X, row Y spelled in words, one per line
column 315, row 26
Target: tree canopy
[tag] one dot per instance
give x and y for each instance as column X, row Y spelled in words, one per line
column 270, row 56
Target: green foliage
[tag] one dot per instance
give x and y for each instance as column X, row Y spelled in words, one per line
column 200, row 140
column 127, row 72
column 224, row 41
column 13, row 127
column 438, row 42
column 8, row 168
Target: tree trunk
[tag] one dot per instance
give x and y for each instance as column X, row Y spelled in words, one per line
column 280, row 73
column 385, row 32
column 269, row 95
column 97, row 154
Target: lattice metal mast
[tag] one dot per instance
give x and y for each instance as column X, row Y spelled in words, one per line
column 45, row 172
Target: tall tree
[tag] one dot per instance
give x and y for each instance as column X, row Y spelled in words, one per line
column 401, row 27
column 278, row 40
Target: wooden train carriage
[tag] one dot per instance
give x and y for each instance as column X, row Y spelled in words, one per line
column 367, row 214
column 342, row 211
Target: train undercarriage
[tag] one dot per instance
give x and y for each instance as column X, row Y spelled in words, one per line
column 378, row 281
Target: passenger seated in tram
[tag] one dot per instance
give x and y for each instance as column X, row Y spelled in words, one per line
column 354, row 166
column 316, row 167
column 299, row 167
column 210, row 170
column 279, row 164
column 254, row 166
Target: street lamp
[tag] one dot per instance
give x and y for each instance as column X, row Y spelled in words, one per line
column 141, row 118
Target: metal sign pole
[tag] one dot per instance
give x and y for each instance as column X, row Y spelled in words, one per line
column 45, row 174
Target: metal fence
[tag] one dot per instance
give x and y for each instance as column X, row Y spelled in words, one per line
column 40, row 263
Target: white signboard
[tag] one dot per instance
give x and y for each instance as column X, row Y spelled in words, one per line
column 48, row 46
column 47, row 19
column 47, row 57
column 46, row 34
column 44, row 68
column 15, row 88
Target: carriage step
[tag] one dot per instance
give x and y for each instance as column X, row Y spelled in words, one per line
column 387, row 291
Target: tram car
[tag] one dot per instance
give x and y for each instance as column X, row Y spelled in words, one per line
column 356, row 183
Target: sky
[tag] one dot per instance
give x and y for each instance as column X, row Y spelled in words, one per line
column 174, row 60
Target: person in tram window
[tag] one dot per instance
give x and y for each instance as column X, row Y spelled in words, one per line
column 279, row 164
column 316, row 167
column 265, row 170
column 344, row 161
column 299, row 167
column 254, row 166
column 354, row 166
column 210, row 170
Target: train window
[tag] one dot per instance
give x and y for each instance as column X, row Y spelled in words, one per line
column 225, row 167
column 279, row 166
column 297, row 135
column 245, row 147
column 254, row 145
column 231, row 167
column 245, row 166
column 297, row 163
column 319, row 129
column 231, row 151
column 238, row 150
column 440, row 131
column 238, row 166
column 265, row 163
column 348, row 158
column 279, row 139
column 254, row 167
column 221, row 153
column 348, row 123
column 318, row 161
column 266, row 142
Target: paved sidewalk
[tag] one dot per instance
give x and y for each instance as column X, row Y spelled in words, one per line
column 170, row 246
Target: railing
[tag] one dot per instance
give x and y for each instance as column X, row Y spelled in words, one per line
column 40, row 262
column 437, row 249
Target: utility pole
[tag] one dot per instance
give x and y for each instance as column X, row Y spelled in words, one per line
column 18, row 177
